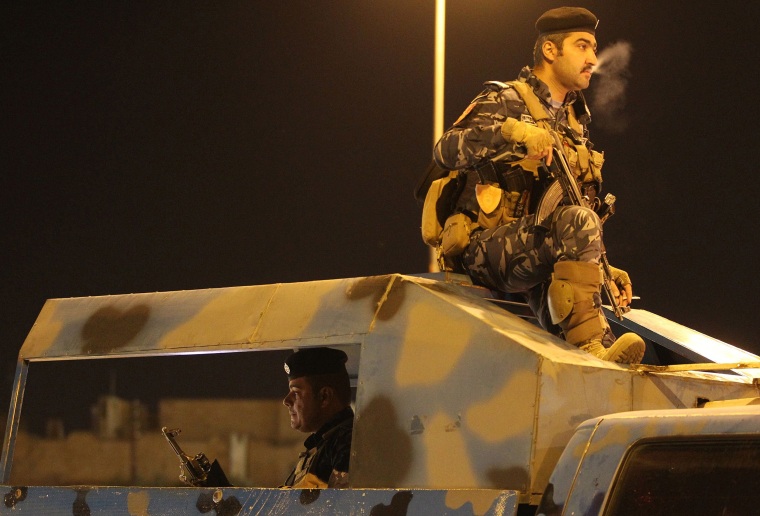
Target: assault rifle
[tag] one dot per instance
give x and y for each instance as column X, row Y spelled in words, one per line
column 565, row 186
column 193, row 470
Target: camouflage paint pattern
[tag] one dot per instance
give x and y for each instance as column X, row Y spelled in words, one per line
column 453, row 392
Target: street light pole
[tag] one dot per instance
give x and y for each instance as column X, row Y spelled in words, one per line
column 440, row 54
column 440, row 61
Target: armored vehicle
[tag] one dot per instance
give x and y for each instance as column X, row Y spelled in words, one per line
column 463, row 405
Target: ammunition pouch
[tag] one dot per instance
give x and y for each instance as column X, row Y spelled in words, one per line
column 507, row 176
column 506, row 202
column 443, row 229
column 456, row 234
column 440, row 202
column 502, row 213
column 585, row 163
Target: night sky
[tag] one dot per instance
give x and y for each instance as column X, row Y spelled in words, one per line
column 153, row 146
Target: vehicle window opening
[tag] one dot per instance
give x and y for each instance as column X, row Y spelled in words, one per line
column 99, row 421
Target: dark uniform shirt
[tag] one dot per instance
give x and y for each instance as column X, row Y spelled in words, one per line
column 327, row 450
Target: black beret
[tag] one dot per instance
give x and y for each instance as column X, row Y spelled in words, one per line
column 566, row 19
column 311, row 361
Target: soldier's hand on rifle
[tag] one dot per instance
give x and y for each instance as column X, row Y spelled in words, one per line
column 536, row 140
column 621, row 286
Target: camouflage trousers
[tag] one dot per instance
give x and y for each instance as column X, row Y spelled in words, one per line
column 514, row 258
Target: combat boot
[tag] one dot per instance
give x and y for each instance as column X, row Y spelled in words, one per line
column 575, row 305
column 628, row 349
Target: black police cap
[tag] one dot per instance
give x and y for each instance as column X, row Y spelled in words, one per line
column 566, row 19
column 311, row 361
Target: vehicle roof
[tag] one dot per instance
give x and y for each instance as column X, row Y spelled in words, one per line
column 286, row 315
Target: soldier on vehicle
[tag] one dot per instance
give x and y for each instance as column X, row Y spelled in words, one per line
column 501, row 146
column 319, row 403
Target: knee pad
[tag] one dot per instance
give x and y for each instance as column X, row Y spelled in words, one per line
column 561, row 299
column 573, row 283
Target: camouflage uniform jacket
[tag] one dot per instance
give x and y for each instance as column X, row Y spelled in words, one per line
column 327, row 455
column 475, row 138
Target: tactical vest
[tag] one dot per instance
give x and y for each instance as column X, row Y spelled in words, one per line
column 585, row 163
